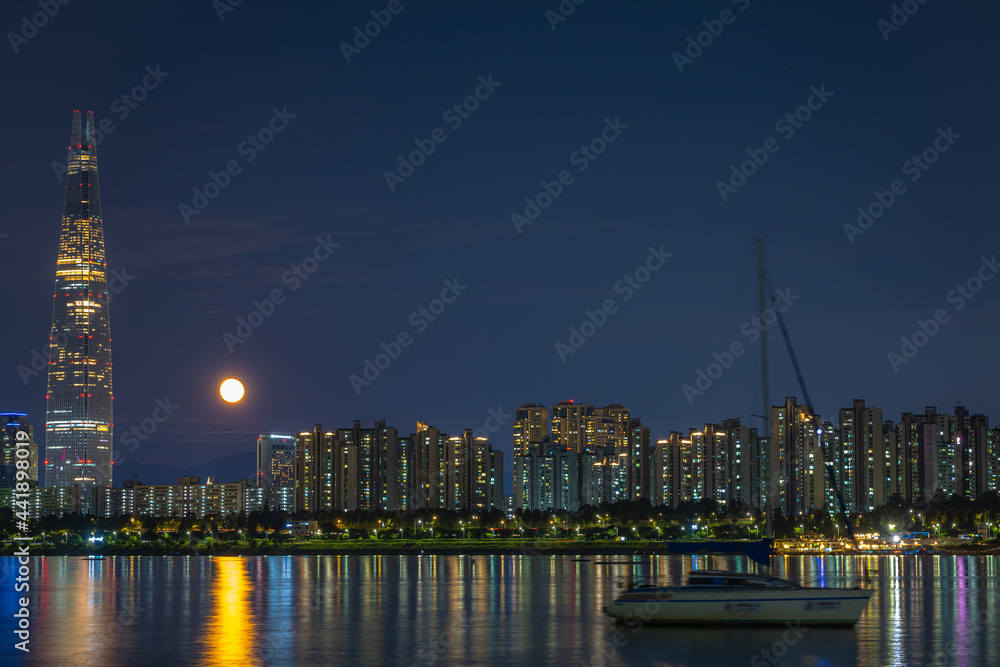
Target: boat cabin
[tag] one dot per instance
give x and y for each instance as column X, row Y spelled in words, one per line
column 721, row 578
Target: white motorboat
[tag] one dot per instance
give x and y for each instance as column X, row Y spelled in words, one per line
column 717, row 597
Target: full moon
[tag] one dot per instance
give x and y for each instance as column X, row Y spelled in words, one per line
column 231, row 390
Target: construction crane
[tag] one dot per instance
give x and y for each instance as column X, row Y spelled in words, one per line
column 764, row 286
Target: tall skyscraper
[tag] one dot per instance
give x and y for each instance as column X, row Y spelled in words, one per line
column 667, row 476
column 428, row 467
column 496, row 478
column 862, row 457
column 79, row 429
column 796, row 479
column 586, row 428
column 640, row 459
column 570, row 423
column 315, row 469
column 613, row 425
column 972, row 452
column 275, row 460
column 742, row 457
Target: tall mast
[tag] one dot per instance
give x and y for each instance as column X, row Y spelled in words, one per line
column 766, row 413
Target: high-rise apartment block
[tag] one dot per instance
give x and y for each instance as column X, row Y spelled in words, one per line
column 531, row 425
column 276, row 471
column 10, row 424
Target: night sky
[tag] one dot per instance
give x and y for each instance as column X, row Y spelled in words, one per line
column 607, row 68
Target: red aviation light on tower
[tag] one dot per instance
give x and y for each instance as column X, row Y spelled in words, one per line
column 87, row 336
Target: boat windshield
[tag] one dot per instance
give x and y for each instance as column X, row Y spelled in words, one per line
column 774, row 582
column 736, row 580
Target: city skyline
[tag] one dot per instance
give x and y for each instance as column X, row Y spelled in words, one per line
column 578, row 457
column 264, row 224
column 850, row 444
column 462, row 331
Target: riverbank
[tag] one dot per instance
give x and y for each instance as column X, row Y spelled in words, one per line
column 416, row 547
column 359, row 548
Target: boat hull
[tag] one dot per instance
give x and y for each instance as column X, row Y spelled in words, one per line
column 680, row 606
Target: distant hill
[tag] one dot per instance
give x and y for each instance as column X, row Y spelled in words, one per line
column 228, row 469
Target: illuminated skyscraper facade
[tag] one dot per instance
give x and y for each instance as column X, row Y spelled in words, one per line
column 275, row 472
column 79, row 426
column 10, row 424
column 531, row 425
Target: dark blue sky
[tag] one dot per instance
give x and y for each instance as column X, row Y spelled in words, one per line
column 495, row 344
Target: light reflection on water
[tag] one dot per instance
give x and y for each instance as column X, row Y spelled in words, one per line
column 480, row 610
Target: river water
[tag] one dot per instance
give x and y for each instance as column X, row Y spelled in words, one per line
column 478, row 610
